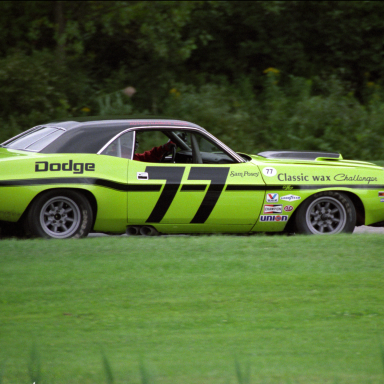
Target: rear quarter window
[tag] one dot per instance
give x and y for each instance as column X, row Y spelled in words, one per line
column 35, row 140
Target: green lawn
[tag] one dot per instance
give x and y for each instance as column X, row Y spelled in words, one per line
column 186, row 309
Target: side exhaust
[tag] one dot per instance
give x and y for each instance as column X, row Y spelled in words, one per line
column 133, row 230
column 148, row 231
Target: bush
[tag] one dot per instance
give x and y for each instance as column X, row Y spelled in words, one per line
column 292, row 113
column 114, row 104
column 36, row 89
column 298, row 116
column 229, row 112
column 335, row 121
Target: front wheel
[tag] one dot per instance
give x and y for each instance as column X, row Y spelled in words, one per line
column 60, row 214
column 326, row 213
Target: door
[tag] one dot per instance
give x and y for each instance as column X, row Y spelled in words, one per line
column 204, row 189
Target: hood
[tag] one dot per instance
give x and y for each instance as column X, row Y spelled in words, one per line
column 320, row 158
column 300, row 155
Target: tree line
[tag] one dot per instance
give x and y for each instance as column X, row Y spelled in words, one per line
column 265, row 74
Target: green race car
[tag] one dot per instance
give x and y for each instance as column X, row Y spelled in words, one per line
column 147, row 176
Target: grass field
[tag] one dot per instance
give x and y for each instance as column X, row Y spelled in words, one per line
column 210, row 309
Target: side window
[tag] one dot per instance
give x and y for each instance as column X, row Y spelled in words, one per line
column 146, row 140
column 151, row 146
column 207, row 146
column 210, row 152
column 194, row 147
column 121, row 147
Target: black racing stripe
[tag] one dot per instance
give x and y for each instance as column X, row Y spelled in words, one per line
column 157, row 187
column 111, row 185
column 290, row 187
column 245, row 187
column 56, row 180
column 144, row 188
column 195, row 187
column 83, row 180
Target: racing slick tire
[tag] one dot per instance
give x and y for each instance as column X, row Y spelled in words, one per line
column 60, row 214
column 326, row 213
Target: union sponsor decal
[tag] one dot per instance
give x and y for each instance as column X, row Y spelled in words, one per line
column 277, row 218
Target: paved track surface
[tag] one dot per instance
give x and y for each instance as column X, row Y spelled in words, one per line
column 358, row 230
column 364, row 229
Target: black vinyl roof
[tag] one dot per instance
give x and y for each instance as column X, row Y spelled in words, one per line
column 91, row 136
column 111, row 122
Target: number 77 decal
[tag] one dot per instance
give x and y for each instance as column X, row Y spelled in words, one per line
column 173, row 176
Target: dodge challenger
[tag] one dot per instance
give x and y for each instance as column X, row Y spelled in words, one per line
column 149, row 176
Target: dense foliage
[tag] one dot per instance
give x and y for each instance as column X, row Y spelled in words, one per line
column 268, row 74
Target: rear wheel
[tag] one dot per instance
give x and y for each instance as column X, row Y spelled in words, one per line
column 326, row 213
column 60, row 214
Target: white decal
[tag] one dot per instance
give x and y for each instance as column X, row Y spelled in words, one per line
column 272, row 197
column 142, row 175
column 269, row 171
column 274, row 218
column 273, row 208
column 290, row 197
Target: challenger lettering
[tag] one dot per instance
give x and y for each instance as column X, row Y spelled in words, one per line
column 344, row 177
